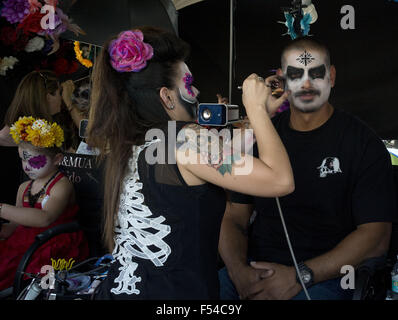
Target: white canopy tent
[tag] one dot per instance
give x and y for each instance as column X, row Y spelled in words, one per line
column 179, row 4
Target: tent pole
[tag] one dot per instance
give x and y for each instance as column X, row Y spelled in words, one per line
column 231, row 48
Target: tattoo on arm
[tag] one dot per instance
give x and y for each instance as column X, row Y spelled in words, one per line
column 215, row 150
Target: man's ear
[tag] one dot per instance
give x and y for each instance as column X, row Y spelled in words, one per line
column 279, row 72
column 332, row 75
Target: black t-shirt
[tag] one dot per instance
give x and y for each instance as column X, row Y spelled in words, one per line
column 343, row 178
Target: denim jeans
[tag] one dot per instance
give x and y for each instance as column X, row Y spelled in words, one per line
column 326, row 290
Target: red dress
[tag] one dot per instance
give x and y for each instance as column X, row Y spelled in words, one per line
column 63, row 246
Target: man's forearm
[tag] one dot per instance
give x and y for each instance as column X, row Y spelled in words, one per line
column 368, row 241
column 233, row 245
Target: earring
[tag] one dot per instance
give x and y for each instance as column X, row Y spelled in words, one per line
column 171, row 107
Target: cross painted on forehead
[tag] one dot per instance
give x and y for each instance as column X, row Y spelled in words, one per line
column 305, row 58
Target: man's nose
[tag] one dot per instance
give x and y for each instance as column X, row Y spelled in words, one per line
column 307, row 84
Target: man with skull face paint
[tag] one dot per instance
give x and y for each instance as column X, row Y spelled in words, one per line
column 310, row 78
column 341, row 210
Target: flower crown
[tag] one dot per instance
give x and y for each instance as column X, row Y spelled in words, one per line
column 38, row 132
column 129, row 52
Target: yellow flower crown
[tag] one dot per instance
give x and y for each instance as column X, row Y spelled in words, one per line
column 38, row 132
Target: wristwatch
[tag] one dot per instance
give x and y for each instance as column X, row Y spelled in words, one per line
column 307, row 275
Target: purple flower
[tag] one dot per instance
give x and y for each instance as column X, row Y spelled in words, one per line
column 15, row 10
column 38, row 161
column 129, row 52
column 188, row 80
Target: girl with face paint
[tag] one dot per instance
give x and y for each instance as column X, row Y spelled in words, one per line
column 188, row 94
column 43, row 202
column 36, row 163
column 162, row 216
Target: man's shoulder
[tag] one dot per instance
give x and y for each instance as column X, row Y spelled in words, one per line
column 354, row 124
column 357, row 132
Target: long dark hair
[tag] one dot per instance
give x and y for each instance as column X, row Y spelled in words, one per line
column 30, row 98
column 125, row 105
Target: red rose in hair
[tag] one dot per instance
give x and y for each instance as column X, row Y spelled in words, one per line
column 8, row 35
column 31, row 24
column 129, row 52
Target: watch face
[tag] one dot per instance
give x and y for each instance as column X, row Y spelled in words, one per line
column 306, row 276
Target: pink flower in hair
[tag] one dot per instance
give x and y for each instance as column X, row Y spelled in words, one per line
column 129, row 52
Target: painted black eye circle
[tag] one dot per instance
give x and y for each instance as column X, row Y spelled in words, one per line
column 295, row 76
column 294, row 73
column 318, row 72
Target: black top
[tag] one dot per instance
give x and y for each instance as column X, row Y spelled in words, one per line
column 177, row 256
column 343, row 178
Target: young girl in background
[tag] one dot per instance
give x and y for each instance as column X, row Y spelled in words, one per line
column 47, row 200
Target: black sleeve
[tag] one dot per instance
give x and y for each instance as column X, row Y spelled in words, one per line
column 239, row 197
column 374, row 196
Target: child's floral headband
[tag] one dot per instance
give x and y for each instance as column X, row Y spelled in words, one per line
column 38, row 132
column 129, row 52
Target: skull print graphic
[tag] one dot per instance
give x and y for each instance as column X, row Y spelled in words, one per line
column 330, row 165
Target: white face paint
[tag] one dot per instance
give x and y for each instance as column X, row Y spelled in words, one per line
column 187, row 91
column 34, row 163
column 308, row 78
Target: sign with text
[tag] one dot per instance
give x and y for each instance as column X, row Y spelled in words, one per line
column 85, row 174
